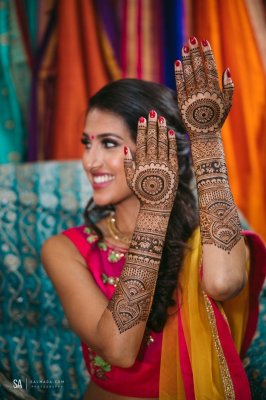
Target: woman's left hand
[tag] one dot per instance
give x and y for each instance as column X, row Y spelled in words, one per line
column 203, row 105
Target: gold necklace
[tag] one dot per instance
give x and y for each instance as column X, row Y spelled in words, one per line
column 115, row 232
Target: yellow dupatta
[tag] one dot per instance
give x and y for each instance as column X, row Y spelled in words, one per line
column 196, row 319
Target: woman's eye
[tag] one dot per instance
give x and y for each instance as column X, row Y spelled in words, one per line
column 108, row 144
column 86, row 142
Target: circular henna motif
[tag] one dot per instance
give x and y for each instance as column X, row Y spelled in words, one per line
column 154, row 183
column 203, row 112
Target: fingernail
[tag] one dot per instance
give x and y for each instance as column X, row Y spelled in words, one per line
column 177, row 63
column 141, row 120
column 152, row 114
column 185, row 49
column 192, row 40
column 125, row 150
column 171, row 132
column 228, row 73
column 204, row 42
column 161, row 120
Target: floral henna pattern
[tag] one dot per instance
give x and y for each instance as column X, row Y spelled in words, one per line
column 153, row 177
column 204, row 108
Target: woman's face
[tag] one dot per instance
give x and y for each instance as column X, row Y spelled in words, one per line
column 105, row 135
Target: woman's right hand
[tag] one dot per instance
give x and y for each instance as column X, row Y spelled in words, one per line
column 153, row 175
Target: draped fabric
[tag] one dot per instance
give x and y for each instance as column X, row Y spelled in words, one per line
column 64, row 51
column 202, row 338
column 14, row 83
column 230, row 28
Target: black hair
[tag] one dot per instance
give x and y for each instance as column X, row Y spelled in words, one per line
column 131, row 99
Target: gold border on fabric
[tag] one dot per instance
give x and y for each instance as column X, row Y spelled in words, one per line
column 225, row 374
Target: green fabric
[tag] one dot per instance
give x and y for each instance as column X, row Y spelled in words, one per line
column 31, row 10
column 14, row 87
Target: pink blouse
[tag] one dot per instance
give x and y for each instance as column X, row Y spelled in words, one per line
column 105, row 264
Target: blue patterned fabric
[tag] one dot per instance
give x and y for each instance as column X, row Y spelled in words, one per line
column 37, row 201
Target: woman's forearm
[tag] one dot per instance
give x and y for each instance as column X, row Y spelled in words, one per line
column 219, row 221
column 132, row 300
column 123, row 323
column 223, row 246
column 153, row 177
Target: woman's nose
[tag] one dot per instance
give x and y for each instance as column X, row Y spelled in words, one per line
column 93, row 158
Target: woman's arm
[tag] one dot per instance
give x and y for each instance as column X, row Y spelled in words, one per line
column 115, row 329
column 153, row 177
column 204, row 108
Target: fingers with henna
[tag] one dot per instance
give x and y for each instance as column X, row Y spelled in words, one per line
column 197, row 63
column 162, row 139
column 141, row 140
column 151, row 136
column 210, row 66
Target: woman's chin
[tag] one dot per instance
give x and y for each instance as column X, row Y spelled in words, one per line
column 100, row 202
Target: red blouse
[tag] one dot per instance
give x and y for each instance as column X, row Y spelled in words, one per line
column 142, row 379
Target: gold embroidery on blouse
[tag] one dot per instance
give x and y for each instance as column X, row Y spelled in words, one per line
column 226, row 378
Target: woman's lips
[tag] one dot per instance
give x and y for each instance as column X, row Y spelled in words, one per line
column 101, row 181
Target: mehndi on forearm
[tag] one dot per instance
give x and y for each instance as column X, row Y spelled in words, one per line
column 219, row 221
column 133, row 297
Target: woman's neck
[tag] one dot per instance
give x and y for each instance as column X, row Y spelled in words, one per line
column 126, row 214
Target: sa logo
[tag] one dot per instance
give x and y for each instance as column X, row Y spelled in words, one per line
column 17, row 383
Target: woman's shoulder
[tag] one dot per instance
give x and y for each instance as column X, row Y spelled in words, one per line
column 72, row 242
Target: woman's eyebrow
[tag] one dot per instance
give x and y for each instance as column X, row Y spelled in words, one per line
column 103, row 135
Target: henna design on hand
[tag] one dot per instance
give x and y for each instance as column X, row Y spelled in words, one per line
column 204, row 108
column 153, row 177
column 154, row 183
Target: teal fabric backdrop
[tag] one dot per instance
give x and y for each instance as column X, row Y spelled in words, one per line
column 37, row 201
column 14, row 87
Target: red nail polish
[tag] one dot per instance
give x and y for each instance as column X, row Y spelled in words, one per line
column 192, row 40
column 152, row 113
column 141, row 120
column 228, row 73
column 186, row 49
column 161, row 120
column 125, row 150
column 177, row 63
column 171, row 132
column 205, row 42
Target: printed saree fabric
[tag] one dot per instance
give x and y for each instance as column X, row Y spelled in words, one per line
column 202, row 342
